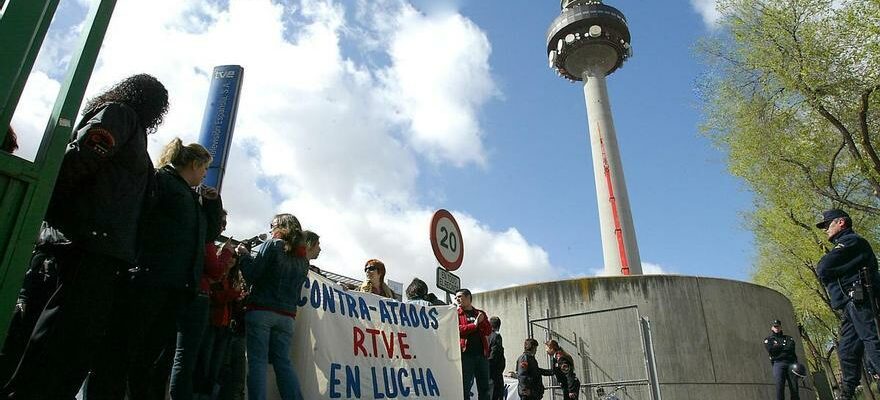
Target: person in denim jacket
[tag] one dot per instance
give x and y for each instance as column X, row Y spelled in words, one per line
column 277, row 273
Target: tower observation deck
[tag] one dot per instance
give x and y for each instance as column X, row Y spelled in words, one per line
column 588, row 41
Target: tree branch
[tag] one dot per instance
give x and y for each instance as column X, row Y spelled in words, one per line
column 833, row 196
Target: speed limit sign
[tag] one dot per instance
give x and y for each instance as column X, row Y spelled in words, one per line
column 446, row 240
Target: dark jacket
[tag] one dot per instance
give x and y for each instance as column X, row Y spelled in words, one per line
column 839, row 268
column 531, row 386
column 466, row 329
column 563, row 368
column 496, row 352
column 780, row 347
column 176, row 227
column 99, row 192
column 276, row 276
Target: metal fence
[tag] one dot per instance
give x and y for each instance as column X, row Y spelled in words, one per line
column 613, row 349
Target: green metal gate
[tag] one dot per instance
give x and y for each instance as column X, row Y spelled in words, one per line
column 25, row 186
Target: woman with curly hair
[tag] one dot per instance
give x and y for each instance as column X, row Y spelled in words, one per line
column 277, row 274
column 375, row 282
column 96, row 203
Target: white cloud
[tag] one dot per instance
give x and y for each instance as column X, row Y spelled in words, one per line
column 326, row 135
column 708, row 10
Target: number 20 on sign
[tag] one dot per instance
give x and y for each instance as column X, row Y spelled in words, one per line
column 446, row 240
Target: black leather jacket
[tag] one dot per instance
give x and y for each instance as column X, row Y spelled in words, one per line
column 100, row 188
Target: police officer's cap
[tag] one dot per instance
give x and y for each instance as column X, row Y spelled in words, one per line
column 776, row 322
column 829, row 216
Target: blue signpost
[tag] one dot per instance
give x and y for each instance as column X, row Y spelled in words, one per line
column 219, row 120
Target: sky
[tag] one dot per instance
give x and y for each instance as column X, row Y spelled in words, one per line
column 363, row 117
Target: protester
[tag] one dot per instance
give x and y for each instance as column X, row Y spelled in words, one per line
column 96, row 203
column 313, row 249
column 234, row 370
column 40, row 281
column 277, row 274
column 473, row 331
column 224, row 291
column 563, row 368
column 166, row 310
column 496, row 360
column 531, row 385
column 375, row 280
column 10, row 142
column 417, row 292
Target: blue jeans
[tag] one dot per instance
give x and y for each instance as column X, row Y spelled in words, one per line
column 268, row 339
column 475, row 366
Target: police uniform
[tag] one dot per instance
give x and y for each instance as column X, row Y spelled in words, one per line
column 839, row 270
column 563, row 368
column 531, row 386
column 780, row 348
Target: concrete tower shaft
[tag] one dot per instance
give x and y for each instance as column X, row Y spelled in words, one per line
column 620, row 250
column 588, row 41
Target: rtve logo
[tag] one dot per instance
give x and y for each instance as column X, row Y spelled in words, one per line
column 224, row 74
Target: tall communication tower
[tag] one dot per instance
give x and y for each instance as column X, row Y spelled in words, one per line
column 587, row 42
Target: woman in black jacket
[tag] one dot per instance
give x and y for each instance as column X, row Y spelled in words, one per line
column 167, row 305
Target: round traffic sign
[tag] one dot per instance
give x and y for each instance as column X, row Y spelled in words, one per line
column 446, row 240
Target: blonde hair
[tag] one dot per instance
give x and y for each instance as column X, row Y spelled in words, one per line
column 176, row 154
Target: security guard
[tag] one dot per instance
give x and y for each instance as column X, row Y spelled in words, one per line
column 839, row 270
column 531, row 386
column 780, row 347
column 563, row 368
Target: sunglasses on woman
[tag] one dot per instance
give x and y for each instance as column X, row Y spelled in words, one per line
column 370, row 268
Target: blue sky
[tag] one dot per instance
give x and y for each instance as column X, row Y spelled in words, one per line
column 362, row 117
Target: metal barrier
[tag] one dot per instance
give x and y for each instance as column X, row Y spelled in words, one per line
column 604, row 360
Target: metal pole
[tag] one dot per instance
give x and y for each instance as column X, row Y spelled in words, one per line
column 41, row 175
column 653, row 379
column 23, row 28
column 547, row 336
column 528, row 322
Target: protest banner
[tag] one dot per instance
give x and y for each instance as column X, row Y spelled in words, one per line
column 352, row 345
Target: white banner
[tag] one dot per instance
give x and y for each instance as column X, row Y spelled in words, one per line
column 352, row 345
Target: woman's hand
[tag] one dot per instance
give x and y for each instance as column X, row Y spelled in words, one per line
column 209, row 192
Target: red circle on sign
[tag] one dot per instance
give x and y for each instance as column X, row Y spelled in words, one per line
column 435, row 244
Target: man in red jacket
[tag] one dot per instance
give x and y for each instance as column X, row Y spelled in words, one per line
column 473, row 332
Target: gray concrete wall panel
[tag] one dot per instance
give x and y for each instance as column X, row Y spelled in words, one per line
column 708, row 333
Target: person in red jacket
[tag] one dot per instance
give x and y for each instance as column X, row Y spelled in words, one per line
column 473, row 332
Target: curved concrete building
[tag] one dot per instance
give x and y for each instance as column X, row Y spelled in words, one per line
column 707, row 333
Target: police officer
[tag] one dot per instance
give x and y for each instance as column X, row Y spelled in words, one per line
column 780, row 348
column 839, row 270
column 563, row 368
column 531, row 386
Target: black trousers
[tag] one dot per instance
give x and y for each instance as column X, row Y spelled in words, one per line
column 155, row 328
column 858, row 339
column 69, row 331
column 496, row 379
column 783, row 377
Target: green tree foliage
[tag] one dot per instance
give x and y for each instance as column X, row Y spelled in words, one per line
column 793, row 97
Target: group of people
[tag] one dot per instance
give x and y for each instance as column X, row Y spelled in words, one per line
column 482, row 358
column 129, row 291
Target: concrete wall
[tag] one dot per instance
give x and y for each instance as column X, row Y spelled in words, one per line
column 708, row 333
